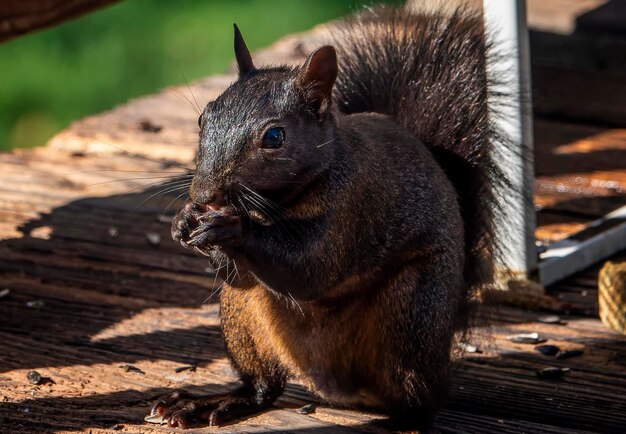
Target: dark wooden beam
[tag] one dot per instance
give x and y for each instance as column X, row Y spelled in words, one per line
column 18, row 17
column 579, row 77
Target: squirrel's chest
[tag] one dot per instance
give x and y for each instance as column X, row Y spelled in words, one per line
column 333, row 354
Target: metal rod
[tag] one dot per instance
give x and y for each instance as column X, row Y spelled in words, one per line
column 505, row 22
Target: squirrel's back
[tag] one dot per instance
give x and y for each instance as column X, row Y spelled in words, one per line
column 428, row 71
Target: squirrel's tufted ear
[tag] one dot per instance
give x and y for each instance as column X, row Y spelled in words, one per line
column 317, row 78
column 244, row 60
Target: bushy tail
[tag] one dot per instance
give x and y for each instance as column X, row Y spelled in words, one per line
column 428, row 71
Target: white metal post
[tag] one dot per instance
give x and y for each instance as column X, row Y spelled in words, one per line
column 505, row 21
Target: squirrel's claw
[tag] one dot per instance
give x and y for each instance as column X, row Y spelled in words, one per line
column 185, row 221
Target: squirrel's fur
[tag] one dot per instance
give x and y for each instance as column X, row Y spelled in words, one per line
column 352, row 247
column 428, row 71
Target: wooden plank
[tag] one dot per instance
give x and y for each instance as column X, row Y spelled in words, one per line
column 580, row 177
column 18, row 17
column 505, row 379
column 558, row 16
column 584, row 51
column 457, row 422
column 579, row 96
column 580, row 76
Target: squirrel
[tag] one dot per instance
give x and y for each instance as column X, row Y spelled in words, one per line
column 351, row 200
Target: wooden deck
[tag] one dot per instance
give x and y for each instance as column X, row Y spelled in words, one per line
column 93, row 289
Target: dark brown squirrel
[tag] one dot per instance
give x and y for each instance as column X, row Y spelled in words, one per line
column 351, row 200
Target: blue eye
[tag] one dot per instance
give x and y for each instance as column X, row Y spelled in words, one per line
column 273, row 138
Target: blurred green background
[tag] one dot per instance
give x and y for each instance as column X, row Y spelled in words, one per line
column 54, row 76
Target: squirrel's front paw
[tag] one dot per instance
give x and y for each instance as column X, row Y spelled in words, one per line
column 217, row 230
column 193, row 227
column 185, row 221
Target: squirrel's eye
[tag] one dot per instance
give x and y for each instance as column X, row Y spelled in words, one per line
column 273, row 138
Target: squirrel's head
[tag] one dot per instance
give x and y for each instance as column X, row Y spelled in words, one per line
column 272, row 131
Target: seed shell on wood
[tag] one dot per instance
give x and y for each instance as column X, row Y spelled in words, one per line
column 548, row 350
column 552, row 373
column 153, row 238
column 35, row 304
column 527, row 338
column 131, row 368
column 37, row 379
column 307, row 409
column 550, row 319
column 34, row 377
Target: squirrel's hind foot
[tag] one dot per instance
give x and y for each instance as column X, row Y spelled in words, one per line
column 182, row 409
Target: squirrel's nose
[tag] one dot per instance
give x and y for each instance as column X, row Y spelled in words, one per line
column 211, row 206
column 208, row 200
column 204, row 190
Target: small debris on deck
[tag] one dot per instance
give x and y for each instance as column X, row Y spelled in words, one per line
column 552, row 373
column 527, row 338
column 131, row 368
